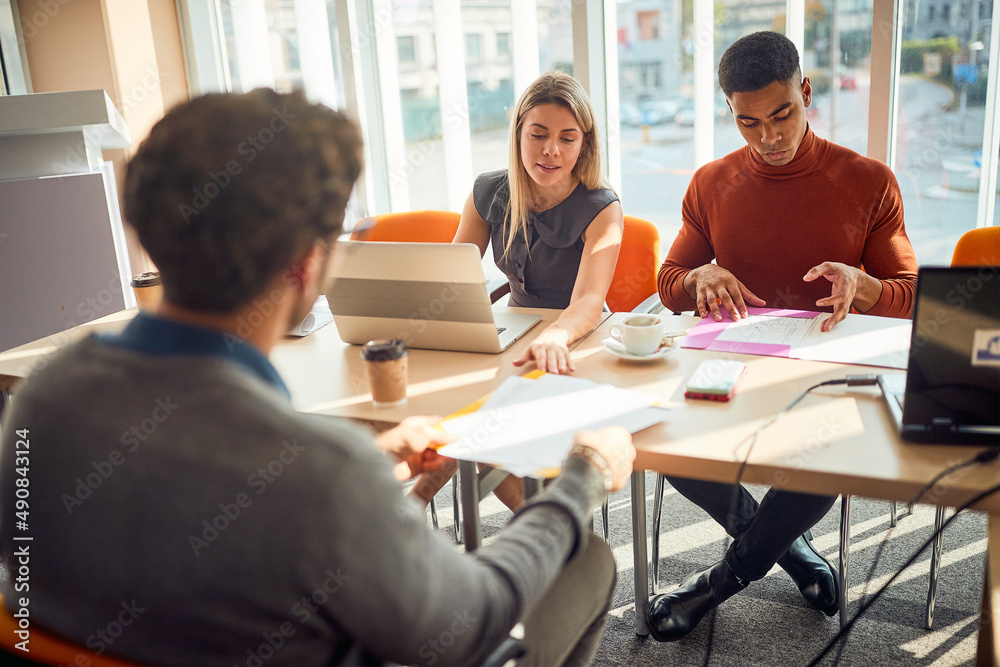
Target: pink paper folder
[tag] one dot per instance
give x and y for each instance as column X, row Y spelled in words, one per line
column 704, row 336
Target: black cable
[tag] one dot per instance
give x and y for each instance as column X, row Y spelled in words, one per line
column 734, row 501
column 844, row 631
column 984, row 456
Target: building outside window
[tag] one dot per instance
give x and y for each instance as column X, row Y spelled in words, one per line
column 649, row 25
column 473, row 48
column 942, row 113
column 407, row 47
column 503, row 44
column 937, row 149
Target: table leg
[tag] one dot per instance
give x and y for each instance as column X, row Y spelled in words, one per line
column 845, row 546
column 935, row 566
column 984, row 641
column 469, row 481
column 4, row 402
column 639, row 554
column 988, row 641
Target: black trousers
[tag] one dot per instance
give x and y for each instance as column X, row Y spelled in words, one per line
column 761, row 532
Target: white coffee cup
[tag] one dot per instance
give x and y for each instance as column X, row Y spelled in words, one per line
column 640, row 334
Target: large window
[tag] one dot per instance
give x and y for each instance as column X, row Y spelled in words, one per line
column 434, row 84
column 942, row 83
column 283, row 44
column 944, row 68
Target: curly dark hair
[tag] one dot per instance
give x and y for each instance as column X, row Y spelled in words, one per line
column 757, row 60
column 228, row 191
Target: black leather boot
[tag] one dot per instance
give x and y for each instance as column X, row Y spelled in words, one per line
column 670, row 616
column 817, row 579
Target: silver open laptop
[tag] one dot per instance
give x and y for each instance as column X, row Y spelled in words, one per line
column 432, row 295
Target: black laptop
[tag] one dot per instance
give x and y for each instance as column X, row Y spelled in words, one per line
column 950, row 393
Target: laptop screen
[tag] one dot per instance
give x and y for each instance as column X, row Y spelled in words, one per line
column 953, row 377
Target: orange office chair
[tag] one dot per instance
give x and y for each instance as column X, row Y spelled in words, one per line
column 47, row 648
column 634, row 280
column 978, row 247
column 417, row 227
column 412, row 226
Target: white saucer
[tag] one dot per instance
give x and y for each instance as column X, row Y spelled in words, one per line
column 613, row 347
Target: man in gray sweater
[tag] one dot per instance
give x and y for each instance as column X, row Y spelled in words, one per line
column 181, row 512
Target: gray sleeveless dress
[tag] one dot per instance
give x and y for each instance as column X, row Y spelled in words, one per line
column 543, row 271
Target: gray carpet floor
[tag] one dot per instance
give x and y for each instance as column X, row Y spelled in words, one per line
column 769, row 623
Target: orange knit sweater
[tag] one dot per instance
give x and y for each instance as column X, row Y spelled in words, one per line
column 769, row 225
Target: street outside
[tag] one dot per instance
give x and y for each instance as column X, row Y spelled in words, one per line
column 939, row 181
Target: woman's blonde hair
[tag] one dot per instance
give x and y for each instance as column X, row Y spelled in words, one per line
column 563, row 90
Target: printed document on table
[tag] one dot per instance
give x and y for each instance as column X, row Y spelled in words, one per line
column 769, row 329
column 528, row 425
column 858, row 339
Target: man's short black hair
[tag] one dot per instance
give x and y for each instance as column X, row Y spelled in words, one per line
column 756, row 61
column 228, row 191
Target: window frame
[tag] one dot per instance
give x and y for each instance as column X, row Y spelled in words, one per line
column 372, row 93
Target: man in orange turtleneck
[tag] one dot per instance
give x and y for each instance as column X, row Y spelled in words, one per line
column 790, row 220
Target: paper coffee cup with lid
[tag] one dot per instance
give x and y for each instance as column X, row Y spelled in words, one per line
column 386, row 368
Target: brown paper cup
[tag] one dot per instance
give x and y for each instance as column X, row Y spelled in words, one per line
column 386, row 368
column 148, row 290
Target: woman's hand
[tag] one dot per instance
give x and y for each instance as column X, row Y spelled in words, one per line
column 549, row 351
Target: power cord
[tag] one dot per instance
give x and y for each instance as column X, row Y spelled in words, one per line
column 850, row 380
column 868, row 603
column 984, row 456
column 856, row 380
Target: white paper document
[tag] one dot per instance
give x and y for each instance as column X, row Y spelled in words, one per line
column 858, row 339
column 529, row 425
column 768, row 329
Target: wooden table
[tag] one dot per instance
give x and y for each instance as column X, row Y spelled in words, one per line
column 327, row 376
column 839, row 439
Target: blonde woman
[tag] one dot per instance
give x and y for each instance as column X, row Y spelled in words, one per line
column 554, row 224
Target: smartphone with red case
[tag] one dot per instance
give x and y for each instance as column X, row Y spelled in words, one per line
column 715, row 380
